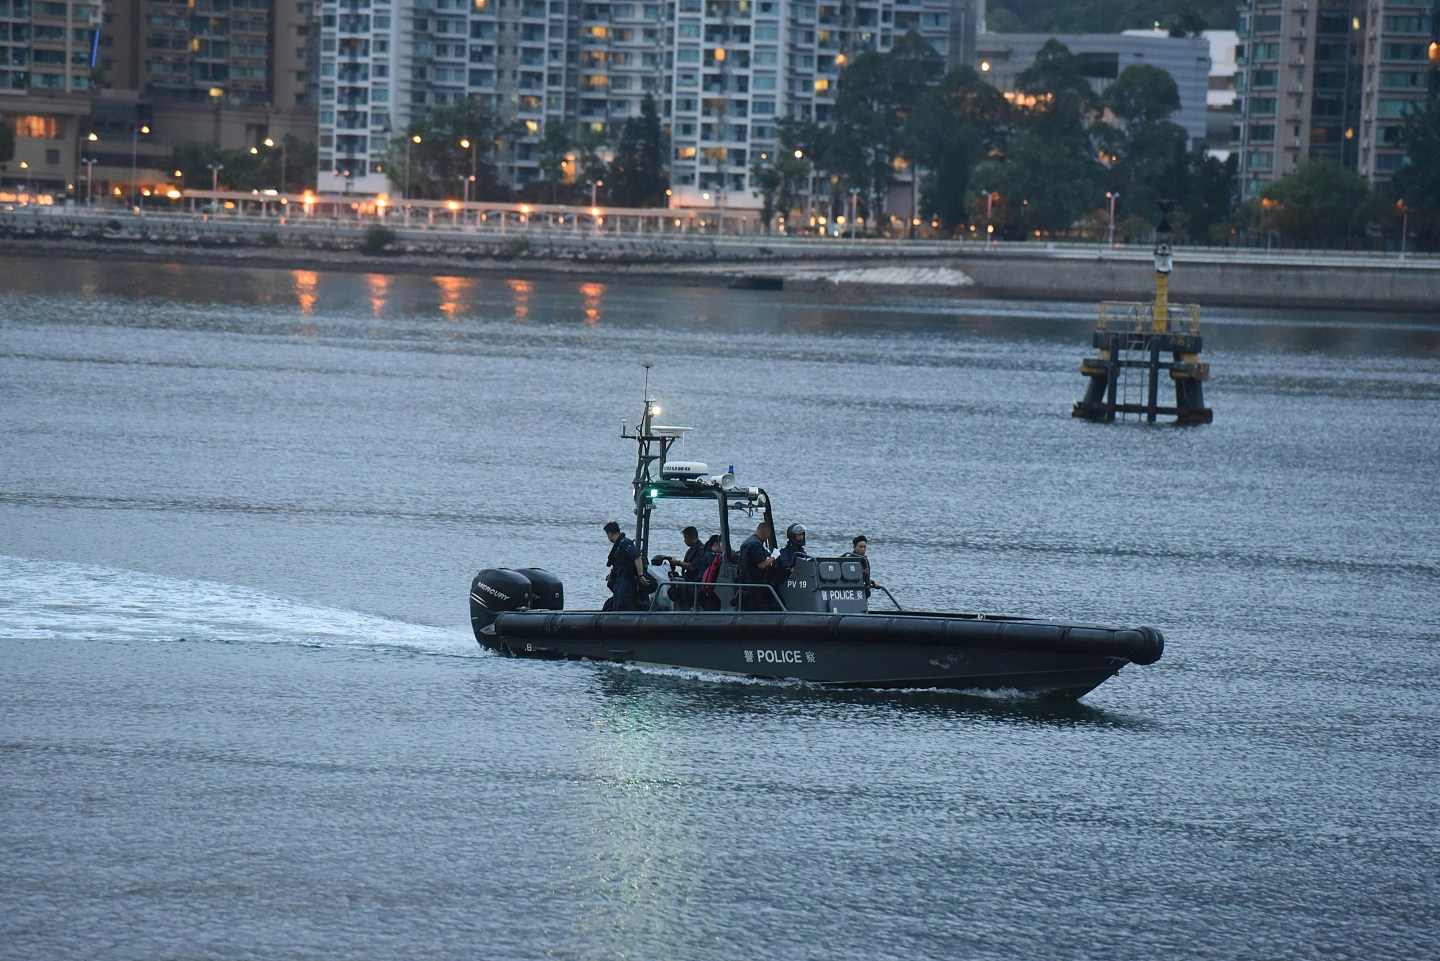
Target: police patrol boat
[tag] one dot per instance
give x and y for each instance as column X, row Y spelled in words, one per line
column 816, row 626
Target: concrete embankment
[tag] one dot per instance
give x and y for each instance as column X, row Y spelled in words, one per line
column 880, row 268
column 1334, row 282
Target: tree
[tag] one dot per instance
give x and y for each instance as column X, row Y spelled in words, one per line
column 1417, row 182
column 877, row 92
column 1315, row 205
column 1186, row 22
column 552, row 154
column 953, row 127
column 637, row 173
column 1043, row 180
column 767, row 178
column 813, row 144
column 590, row 166
column 1063, row 95
column 1147, row 155
column 455, row 142
column 1210, row 203
column 1141, row 94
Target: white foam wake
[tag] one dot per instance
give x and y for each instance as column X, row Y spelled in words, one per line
column 43, row 600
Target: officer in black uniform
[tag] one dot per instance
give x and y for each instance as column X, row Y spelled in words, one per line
column 755, row 564
column 627, row 568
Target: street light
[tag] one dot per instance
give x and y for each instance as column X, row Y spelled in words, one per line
column 215, row 176
column 854, row 209
column 26, row 167
column 593, row 185
column 405, row 187
column 1404, row 224
column 467, row 181
column 89, row 163
column 135, row 133
column 1111, row 230
column 284, row 161
column 467, row 144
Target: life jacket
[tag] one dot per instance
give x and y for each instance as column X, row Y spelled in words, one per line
column 710, row 575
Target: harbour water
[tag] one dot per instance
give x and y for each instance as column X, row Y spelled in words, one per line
column 242, row 715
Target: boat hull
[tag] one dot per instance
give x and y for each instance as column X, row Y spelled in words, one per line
column 890, row 650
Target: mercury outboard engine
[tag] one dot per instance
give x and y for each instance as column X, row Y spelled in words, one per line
column 546, row 591
column 493, row 592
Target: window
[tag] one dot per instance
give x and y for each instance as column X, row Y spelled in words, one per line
column 38, row 126
column 1402, row 79
column 1403, row 51
column 1408, row 23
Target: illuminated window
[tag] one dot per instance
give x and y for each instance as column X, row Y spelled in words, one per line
column 35, row 125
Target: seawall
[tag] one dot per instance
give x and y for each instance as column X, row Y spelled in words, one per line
column 1072, row 272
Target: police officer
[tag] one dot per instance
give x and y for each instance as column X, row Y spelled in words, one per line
column 794, row 547
column 756, row 560
column 627, row 569
column 859, row 548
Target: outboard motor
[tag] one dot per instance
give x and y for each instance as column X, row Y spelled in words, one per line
column 546, row 591
column 493, row 592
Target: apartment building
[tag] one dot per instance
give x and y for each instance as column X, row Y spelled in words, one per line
column 722, row 73
column 1330, row 79
column 47, row 57
column 100, row 91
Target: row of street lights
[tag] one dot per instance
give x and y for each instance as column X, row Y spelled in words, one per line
column 136, row 131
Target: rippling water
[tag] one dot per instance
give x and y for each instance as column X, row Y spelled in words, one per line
column 241, row 713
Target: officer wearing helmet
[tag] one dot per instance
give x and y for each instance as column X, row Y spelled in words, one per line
column 794, row 547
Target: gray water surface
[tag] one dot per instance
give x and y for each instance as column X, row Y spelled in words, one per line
column 242, row 715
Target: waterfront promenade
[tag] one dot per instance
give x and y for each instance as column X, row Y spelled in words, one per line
column 545, row 241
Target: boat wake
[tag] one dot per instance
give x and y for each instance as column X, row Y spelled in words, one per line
column 51, row 600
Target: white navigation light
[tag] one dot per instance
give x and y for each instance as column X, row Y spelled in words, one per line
column 684, row 470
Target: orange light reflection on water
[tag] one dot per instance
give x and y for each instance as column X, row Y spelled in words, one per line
column 593, row 294
column 306, row 282
column 379, row 291
column 452, row 295
column 522, row 290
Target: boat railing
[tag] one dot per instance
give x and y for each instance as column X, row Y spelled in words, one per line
column 1142, row 317
column 696, row 590
column 886, row 592
column 769, row 597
